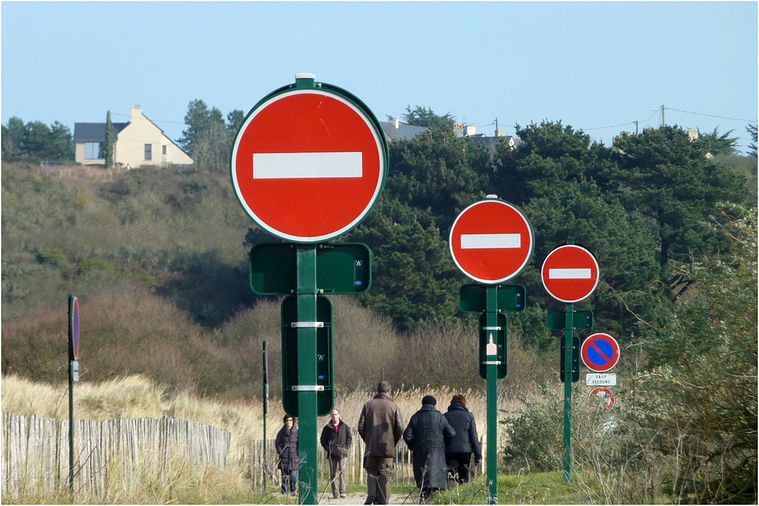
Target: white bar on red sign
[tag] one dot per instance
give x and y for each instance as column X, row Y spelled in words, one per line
column 307, row 165
column 490, row 241
column 569, row 273
column 601, row 379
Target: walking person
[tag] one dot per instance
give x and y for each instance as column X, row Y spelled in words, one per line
column 381, row 427
column 286, row 445
column 336, row 439
column 459, row 449
column 426, row 436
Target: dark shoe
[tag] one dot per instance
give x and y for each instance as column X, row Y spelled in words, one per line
column 335, row 496
column 370, row 500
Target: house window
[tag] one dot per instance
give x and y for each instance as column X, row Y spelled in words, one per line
column 148, row 151
column 163, row 149
column 92, row 151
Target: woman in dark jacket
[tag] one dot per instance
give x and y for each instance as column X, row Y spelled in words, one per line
column 459, row 449
column 425, row 435
column 286, row 445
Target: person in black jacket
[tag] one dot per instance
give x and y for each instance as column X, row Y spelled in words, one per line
column 459, row 449
column 286, row 445
column 336, row 438
column 426, row 435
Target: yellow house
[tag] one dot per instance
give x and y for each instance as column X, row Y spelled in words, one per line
column 138, row 142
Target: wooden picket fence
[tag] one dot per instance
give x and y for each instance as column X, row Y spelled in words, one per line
column 36, row 451
column 36, row 454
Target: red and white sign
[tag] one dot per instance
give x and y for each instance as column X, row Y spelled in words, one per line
column 491, row 241
column 604, row 394
column 570, row 273
column 307, row 165
column 599, row 352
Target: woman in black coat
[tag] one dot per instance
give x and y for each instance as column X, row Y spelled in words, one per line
column 459, row 449
column 425, row 435
column 286, row 445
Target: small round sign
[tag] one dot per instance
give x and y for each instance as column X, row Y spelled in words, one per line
column 570, row 273
column 309, row 162
column 491, row 241
column 599, row 352
column 605, row 395
column 74, row 326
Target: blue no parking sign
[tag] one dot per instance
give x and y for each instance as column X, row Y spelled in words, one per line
column 600, row 352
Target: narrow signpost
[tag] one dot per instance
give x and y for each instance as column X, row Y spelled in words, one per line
column 491, row 242
column 570, row 274
column 308, row 163
column 265, row 364
column 73, row 355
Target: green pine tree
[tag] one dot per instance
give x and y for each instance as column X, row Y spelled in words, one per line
column 108, row 147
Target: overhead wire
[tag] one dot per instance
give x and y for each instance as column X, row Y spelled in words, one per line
column 710, row 115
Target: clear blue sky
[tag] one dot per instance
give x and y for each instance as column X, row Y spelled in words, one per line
column 595, row 66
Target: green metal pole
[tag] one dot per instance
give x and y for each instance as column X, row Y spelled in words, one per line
column 307, row 420
column 491, row 307
column 567, row 351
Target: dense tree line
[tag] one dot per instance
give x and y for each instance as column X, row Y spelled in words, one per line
column 35, row 140
column 639, row 205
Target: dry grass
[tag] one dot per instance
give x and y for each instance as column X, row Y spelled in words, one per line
column 137, row 396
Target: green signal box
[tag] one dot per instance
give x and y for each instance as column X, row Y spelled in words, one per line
column 511, row 298
column 341, row 269
column 498, row 336
column 581, row 320
column 575, row 359
column 325, row 398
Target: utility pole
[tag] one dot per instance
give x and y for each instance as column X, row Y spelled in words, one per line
column 636, row 127
column 496, row 127
column 663, row 123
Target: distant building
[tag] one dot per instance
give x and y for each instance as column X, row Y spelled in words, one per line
column 397, row 131
column 137, row 142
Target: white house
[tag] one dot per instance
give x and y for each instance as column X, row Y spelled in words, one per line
column 138, row 142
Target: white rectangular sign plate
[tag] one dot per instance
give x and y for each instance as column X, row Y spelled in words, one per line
column 490, row 241
column 307, row 165
column 569, row 273
column 601, row 379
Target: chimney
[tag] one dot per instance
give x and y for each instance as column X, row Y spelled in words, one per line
column 136, row 112
column 397, row 123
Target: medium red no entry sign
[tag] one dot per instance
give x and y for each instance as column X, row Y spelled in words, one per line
column 570, row 273
column 309, row 162
column 491, row 241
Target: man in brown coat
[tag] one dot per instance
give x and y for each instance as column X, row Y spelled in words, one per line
column 381, row 427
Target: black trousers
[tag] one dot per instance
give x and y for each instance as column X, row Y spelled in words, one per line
column 458, row 465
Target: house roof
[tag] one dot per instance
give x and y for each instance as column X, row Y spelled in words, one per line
column 94, row 132
column 403, row 132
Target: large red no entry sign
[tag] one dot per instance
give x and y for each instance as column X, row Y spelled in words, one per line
column 570, row 273
column 491, row 241
column 309, row 162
